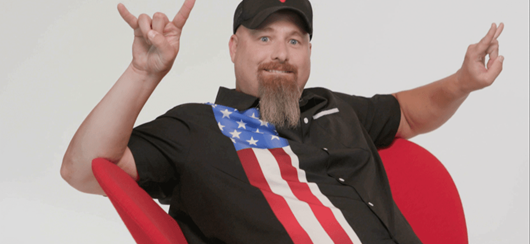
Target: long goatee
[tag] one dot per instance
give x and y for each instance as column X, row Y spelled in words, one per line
column 279, row 96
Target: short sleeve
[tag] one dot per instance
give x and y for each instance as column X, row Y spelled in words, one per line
column 159, row 149
column 380, row 115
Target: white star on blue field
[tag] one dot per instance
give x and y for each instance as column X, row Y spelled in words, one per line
column 246, row 129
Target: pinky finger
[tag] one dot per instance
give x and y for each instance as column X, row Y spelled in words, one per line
column 127, row 16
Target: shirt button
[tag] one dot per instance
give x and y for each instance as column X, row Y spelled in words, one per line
column 306, row 120
column 371, row 204
column 341, row 180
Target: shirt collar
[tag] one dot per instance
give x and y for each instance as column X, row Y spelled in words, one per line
column 242, row 101
column 234, row 99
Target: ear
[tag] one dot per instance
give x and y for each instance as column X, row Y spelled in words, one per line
column 232, row 45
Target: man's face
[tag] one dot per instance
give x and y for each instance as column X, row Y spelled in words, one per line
column 273, row 62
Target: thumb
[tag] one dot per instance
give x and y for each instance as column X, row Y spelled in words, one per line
column 495, row 68
column 159, row 41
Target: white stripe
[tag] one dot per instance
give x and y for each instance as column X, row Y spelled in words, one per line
column 326, row 112
column 323, row 199
column 279, row 186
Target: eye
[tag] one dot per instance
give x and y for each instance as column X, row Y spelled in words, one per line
column 264, row 39
column 293, row 41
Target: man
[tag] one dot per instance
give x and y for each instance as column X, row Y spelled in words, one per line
column 269, row 162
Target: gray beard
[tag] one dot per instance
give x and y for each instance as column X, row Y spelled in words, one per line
column 279, row 101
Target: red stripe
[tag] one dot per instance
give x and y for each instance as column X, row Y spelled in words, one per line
column 277, row 203
column 303, row 193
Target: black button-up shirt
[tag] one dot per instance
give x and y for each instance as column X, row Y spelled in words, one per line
column 185, row 159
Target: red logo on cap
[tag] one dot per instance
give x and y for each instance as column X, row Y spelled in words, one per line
column 283, row 1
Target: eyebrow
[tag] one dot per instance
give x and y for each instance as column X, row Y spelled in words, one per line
column 270, row 29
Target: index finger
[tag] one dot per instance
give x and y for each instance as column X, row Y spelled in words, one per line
column 499, row 31
column 127, row 16
column 183, row 14
column 484, row 43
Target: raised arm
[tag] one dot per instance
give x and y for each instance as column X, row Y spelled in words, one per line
column 106, row 130
column 426, row 108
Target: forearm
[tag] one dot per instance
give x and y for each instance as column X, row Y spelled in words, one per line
column 106, row 130
column 426, row 108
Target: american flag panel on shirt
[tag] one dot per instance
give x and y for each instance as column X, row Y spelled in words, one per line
column 270, row 165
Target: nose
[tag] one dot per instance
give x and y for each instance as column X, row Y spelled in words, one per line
column 280, row 52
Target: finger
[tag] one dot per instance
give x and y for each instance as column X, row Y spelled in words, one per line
column 499, row 31
column 495, row 69
column 127, row 16
column 473, row 55
column 485, row 42
column 159, row 41
column 144, row 21
column 493, row 51
column 183, row 14
column 160, row 20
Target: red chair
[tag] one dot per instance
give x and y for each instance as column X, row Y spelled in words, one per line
column 425, row 193
column 422, row 188
column 145, row 219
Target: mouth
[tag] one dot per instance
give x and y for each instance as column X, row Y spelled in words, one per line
column 274, row 71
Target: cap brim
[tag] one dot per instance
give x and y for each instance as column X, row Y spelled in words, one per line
column 264, row 14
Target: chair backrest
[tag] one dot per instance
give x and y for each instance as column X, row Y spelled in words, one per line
column 421, row 186
column 425, row 193
column 145, row 219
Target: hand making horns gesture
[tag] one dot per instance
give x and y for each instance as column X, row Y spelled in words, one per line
column 156, row 41
column 475, row 74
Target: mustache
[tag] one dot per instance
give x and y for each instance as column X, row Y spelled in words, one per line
column 279, row 66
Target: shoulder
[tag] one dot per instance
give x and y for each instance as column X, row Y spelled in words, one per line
column 187, row 107
column 188, row 110
column 333, row 96
column 351, row 98
column 187, row 115
column 318, row 91
column 324, row 92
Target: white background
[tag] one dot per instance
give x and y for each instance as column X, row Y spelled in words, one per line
column 59, row 57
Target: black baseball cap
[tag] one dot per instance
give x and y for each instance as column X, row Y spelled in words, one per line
column 251, row 13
